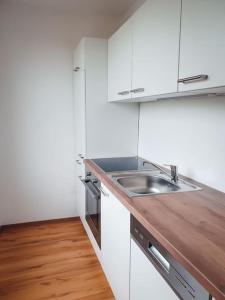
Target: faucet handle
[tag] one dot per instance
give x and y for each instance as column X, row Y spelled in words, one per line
column 174, row 172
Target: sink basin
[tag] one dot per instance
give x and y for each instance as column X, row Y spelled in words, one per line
column 147, row 184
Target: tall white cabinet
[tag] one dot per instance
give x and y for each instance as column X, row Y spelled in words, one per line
column 80, row 128
column 102, row 129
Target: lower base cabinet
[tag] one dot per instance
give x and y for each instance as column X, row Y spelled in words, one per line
column 146, row 282
column 115, row 244
column 131, row 275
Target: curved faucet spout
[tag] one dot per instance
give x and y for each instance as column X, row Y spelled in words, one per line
column 173, row 170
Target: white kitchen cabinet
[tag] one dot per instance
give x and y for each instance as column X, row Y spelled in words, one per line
column 115, row 237
column 171, row 49
column 202, row 44
column 146, row 282
column 102, row 129
column 80, row 129
column 144, row 52
column 120, row 63
column 156, row 32
column 79, row 110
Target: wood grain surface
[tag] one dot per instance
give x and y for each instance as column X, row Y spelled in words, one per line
column 50, row 260
column 190, row 225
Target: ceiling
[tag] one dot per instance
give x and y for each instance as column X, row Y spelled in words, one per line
column 81, row 7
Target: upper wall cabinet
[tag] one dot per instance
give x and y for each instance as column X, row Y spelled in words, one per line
column 144, row 53
column 156, row 30
column 120, row 63
column 202, row 48
column 169, row 49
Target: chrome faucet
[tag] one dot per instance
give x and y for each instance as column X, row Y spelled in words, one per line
column 173, row 170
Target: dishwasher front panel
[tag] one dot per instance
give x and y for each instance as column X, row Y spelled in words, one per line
column 146, row 283
column 182, row 282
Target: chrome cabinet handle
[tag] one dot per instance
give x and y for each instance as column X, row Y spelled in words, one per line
column 140, row 90
column 78, row 162
column 89, row 186
column 81, row 156
column 193, row 78
column 123, row 93
column 103, row 192
column 76, row 69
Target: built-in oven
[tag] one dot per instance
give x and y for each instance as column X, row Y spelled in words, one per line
column 93, row 205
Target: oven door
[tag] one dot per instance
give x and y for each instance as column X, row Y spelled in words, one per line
column 93, row 209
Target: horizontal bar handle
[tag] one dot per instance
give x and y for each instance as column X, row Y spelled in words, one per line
column 103, row 192
column 76, row 69
column 140, row 90
column 91, row 188
column 193, row 78
column 123, row 93
column 156, row 255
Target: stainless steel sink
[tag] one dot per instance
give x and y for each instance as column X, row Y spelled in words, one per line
column 147, row 183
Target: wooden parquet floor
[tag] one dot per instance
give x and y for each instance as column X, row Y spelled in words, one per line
column 50, row 260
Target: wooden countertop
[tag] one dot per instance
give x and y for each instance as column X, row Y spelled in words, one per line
column 190, row 225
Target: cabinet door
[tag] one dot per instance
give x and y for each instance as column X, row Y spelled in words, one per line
column 120, row 63
column 80, row 133
column 202, row 43
column 79, row 112
column 156, row 30
column 115, row 244
column 146, row 282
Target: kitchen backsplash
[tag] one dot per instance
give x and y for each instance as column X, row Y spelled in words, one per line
column 189, row 133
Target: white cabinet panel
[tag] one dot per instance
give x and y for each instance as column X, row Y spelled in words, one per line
column 156, row 31
column 78, row 57
column 146, row 282
column 120, row 63
column 80, row 130
column 100, row 127
column 79, row 112
column 115, row 226
column 202, row 43
column 112, row 129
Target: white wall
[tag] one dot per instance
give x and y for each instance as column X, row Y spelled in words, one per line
column 36, row 121
column 189, row 133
